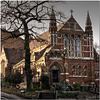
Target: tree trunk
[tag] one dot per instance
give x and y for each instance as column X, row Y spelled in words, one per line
column 28, row 70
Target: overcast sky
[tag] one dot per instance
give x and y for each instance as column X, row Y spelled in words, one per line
column 80, row 12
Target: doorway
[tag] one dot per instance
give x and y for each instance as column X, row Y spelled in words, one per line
column 55, row 76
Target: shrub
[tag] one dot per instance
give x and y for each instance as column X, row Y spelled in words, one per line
column 17, row 78
column 84, row 87
column 61, row 81
column 61, row 94
column 76, row 86
column 45, row 82
column 5, row 84
column 13, row 79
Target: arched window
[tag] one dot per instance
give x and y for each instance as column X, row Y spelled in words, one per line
column 55, row 54
column 79, row 70
column 73, row 69
column 72, row 46
column 65, row 42
column 85, row 70
column 78, row 45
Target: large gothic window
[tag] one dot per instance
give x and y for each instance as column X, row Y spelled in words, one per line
column 65, row 42
column 79, row 70
column 78, row 45
column 72, row 45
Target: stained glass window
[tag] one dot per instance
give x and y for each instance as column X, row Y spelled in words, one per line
column 79, row 70
column 65, row 42
column 73, row 70
column 78, row 45
column 72, row 46
column 85, row 70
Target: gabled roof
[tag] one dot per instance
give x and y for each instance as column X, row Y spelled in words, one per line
column 11, row 42
column 42, row 52
column 72, row 20
column 14, row 55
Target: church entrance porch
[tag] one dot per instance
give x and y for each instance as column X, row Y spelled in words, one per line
column 55, row 76
column 55, row 70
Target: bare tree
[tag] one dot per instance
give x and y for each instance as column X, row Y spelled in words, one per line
column 18, row 17
column 97, row 48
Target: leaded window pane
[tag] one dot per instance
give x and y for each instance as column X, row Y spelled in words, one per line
column 78, row 45
column 65, row 42
column 72, row 46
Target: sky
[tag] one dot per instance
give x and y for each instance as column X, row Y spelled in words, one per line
column 80, row 12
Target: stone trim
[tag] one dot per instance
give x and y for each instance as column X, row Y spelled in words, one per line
column 77, row 76
column 84, row 58
column 45, row 72
column 55, row 58
column 64, row 73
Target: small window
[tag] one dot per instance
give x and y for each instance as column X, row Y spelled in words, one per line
column 78, row 45
column 72, row 26
column 85, row 70
column 65, row 42
column 73, row 70
column 79, row 70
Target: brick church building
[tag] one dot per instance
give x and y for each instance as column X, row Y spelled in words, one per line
column 68, row 54
column 71, row 54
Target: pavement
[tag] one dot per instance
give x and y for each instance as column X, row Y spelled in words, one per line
column 88, row 96
column 5, row 96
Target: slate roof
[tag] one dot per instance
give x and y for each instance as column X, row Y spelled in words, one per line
column 14, row 55
column 13, row 47
column 11, row 42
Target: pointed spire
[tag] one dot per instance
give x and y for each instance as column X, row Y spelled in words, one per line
column 52, row 16
column 71, row 12
column 88, row 20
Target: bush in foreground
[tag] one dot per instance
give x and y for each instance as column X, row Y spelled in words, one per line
column 62, row 94
column 77, row 86
column 13, row 78
column 45, row 82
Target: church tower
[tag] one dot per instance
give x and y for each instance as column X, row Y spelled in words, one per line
column 89, row 35
column 88, row 25
column 53, row 28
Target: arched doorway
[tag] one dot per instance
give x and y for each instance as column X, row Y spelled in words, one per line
column 55, row 70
